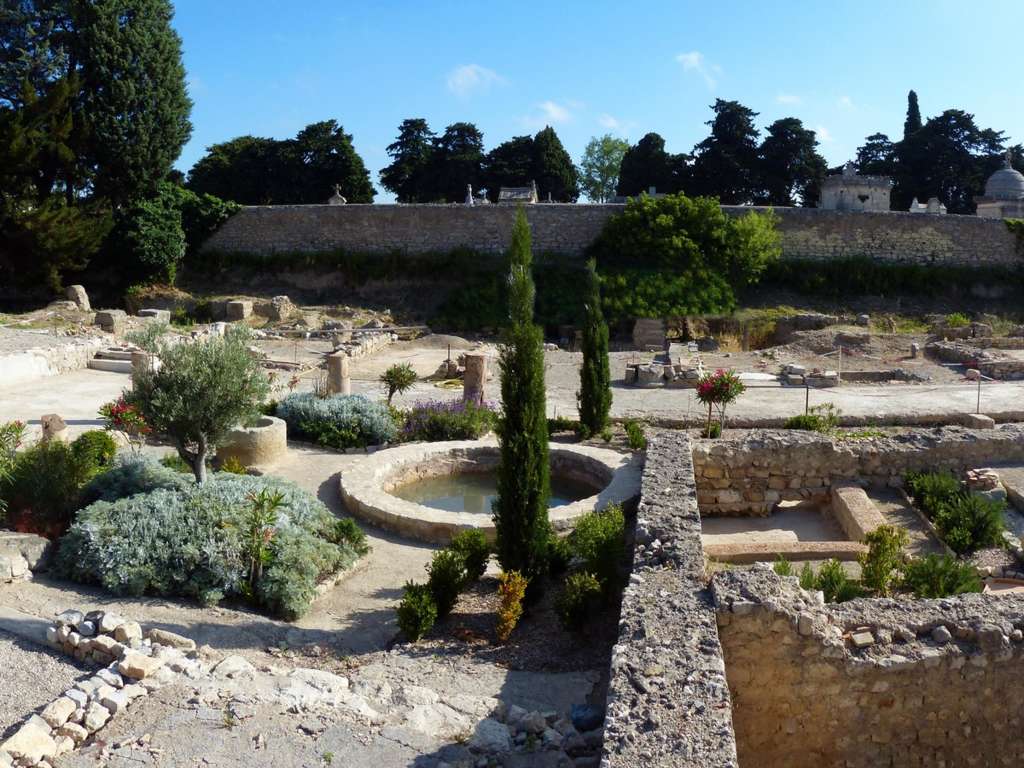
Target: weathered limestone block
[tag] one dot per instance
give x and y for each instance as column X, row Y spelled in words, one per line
column 54, row 427
column 77, row 294
column 978, row 421
column 31, row 742
column 137, row 666
column 112, row 320
column 157, row 315
column 854, row 511
column 240, row 309
column 127, row 632
column 58, row 711
column 171, row 639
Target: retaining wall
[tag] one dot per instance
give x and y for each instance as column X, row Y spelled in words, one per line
column 749, row 475
column 807, row 233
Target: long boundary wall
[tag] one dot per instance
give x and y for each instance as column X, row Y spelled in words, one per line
column 807, row 233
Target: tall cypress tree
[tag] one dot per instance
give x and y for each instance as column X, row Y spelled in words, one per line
column 524, row 483
column 595, row 395
column 553, row 169
column 913, row 122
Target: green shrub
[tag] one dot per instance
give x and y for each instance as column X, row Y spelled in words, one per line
column 675, row 256
column 559, row 553
column 45, row 484
column 398, row 378
column 580, row 600
column 472, row 546
column 833, row 581
column 11, row 435
column 595, row 394
column 966, row 522
column 879, row 565
column 819, row 418
column 96, row 448
column 635, row 435
column 712, row 431
column 149, row 236
column 448, row 420
column 940, row 576
column 599, row 540
column 417, row 612
column 233, row 466
column 339, row 421
column 347, row 531
column 782, row 566
column 447, row 577
column 511, row 591
column 808, row 580
column 175, row 537
column 562, row 424
column 971, row 522
column 957, row 320
column 135, row 474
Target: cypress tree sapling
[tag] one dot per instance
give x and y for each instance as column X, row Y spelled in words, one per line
column 595, row 395
column 521, row 507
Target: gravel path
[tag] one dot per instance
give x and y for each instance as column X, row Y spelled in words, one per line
column 30, row 678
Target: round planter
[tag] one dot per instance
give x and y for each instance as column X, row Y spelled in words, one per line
column 260, row 445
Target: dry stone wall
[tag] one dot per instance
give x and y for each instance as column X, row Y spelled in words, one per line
column 870, row 683
column 807, row 233
column 749, row 475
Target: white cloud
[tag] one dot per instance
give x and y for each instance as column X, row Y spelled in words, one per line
column 824, row 135
column 549, row 113
column 694, row 61
column 467, row 79
column 609, row 122
column 845, row 102
column 788, row 98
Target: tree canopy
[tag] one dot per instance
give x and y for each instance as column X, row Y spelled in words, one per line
column 726, row 163
column 646, row 164
column 411, row 154
column 599, row 168
column 523, row 160
column 259, row 171
column 791, row 169
column 677, row 255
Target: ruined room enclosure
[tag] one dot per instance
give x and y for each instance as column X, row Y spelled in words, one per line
column 775, row 676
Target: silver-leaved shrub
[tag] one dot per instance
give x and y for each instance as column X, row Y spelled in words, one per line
column 339, row 421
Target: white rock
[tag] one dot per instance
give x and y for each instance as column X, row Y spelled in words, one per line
column 96, row 717
column 111, row 678
column 58, row 711
column 234, row 667
column 110, row 622
column 32, row 741
column 490, row 736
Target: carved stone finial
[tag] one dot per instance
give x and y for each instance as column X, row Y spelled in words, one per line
column 1008, row 159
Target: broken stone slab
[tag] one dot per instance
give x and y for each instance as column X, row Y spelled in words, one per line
column 490, row 736
column 74, row 731
column 115, row 701
column 234, row 667
column 157, row 315
column 127, row 632
column 96, row 716
column 978, row 421
column 171, row 639
column 862, row 638
column 32, row 742
column 77, row 294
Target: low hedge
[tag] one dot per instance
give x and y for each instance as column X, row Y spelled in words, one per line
column 175, row 538
column 338, row 421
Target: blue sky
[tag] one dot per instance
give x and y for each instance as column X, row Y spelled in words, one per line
column 270, row 67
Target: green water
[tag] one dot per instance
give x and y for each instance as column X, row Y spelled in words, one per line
column 474, row 492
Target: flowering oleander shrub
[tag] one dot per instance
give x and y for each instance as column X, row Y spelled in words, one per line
column 717, row 390
column 340, row 421
column 449, row 420
column 121, row 416
column 176, row 537
column 11, row 435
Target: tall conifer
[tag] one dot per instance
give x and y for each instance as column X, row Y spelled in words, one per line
column 595, row 395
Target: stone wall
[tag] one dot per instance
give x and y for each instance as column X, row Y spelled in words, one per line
column 668, row 704
column 807, row 233
column 749, row 475
column 870, row 683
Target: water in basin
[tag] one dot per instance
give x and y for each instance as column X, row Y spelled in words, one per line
column 474, row 492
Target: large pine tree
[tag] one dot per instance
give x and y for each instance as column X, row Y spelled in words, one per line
column 411, row 154
column 725, row 164
column 521, row 508
column 553, row 169
column 595, row 395
column 791, row 169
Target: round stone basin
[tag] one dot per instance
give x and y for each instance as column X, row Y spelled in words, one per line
column 475, row 491
column 430, row 491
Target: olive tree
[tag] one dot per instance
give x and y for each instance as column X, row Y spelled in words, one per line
column 201, row 391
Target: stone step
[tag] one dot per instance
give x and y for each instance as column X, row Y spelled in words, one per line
column 114, row 353
column 113, row 366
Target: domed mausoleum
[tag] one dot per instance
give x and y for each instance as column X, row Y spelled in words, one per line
column 1004, row 194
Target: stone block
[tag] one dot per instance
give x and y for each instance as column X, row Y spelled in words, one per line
column 127, row 632
column 238, row 310
column 32, row 742
column 157, row 315
column 58, row 711
column 137, row 666
column 112, row 320
column 77, row 294
column 74, row 731
column 96, row 716
column 854, row 511
column 978, row 421
column 171, row 639
column 54, row 427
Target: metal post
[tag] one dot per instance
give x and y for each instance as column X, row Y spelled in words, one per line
column 979, row 394
column 807, row 397
column 839, row 373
